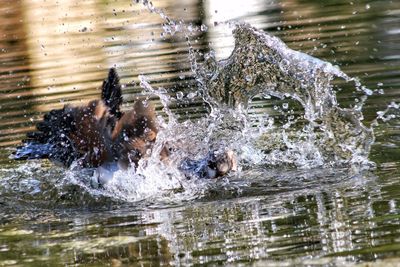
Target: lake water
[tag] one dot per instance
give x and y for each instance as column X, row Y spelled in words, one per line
column 289, row 206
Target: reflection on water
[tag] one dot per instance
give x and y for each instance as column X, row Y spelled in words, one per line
column 57, row 35
column 321, row 214
column 52, row 53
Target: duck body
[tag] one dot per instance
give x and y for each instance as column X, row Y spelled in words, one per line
column 94, row 134
column 99, row 135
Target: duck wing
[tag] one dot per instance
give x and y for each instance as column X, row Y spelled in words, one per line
column 50, row 140
column 72, row 133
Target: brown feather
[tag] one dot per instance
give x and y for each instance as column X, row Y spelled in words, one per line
column 135, row 133
column 92, row 136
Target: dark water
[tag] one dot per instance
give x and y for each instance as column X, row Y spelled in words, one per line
column 52, row 53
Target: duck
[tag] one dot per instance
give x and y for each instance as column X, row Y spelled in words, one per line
column 99, row 135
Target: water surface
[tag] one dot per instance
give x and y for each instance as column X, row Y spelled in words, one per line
column 57, row 53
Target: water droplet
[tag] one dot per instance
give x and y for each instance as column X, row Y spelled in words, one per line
column 179, row 95
column 285, row 105
column 266, row 96
column 367, row 6
column 203, row 28
column 191, row 95
column 366, row 90
column 393, row 105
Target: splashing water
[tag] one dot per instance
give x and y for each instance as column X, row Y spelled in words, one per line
column 263, row 64
column 260, row 64
column 171, row 27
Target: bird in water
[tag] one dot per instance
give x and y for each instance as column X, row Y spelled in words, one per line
column 99, row 135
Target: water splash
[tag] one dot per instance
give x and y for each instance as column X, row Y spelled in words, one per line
column 391, row 112
column 172, row 27
column 261, row 64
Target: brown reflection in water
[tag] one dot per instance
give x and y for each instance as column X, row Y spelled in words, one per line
column 71, row 43
column 14, row 64
column 138, row 44
column 65, row 49
column 12, row 46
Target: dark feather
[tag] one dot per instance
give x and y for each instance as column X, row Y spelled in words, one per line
column 50, row 140
column 111, row 93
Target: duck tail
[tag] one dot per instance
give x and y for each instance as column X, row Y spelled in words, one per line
column 111, row 93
